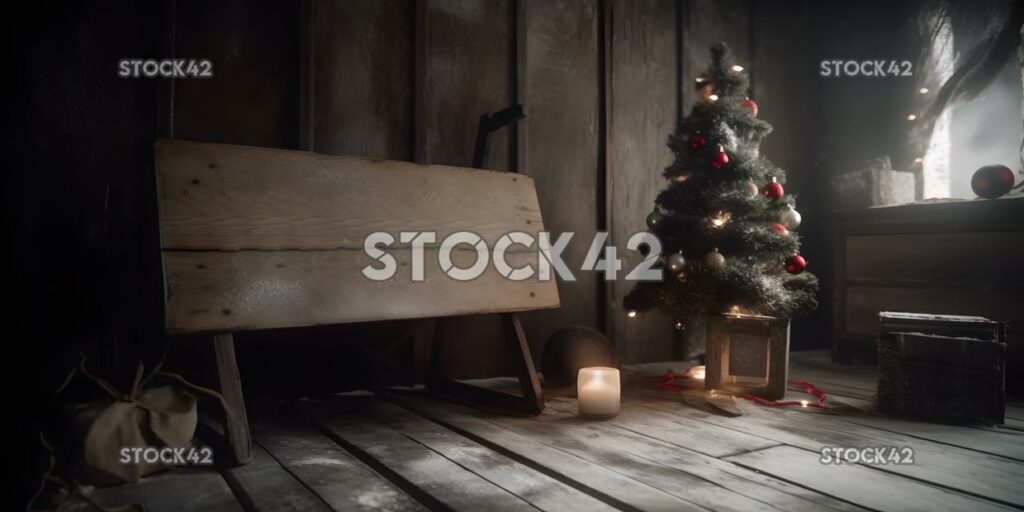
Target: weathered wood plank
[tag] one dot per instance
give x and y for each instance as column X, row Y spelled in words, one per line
column 228, row 198
column 464, row 68
column 948, row 466
column 338, row 478
column 248, row 43
column 641, row 112
column 360, row 78
column 601, row 481
column 192, row 490
column 236, row 421
column 244, row 228
column 436, row 477
column 264, row 485
column 577, row 437
column 560, row 73
column 690, row 434
column 858, row 484
column 540, row 490
column 209, row 291
column 649, row 440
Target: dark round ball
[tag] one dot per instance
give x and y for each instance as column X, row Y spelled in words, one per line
column 992, row 181
column 567, row 350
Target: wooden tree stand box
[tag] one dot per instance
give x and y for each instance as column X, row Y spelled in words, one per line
column 946, row 369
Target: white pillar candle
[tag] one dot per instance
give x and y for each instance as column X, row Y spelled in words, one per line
column 597, row 392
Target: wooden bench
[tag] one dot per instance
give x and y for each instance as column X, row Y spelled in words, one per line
column 257, row 238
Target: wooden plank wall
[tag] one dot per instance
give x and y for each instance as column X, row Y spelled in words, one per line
column 602, row 82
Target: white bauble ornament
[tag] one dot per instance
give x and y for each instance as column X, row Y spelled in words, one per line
column 790, row 218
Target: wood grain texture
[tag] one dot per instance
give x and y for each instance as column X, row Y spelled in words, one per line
column 559, row 76
column 360, row 78
column 196, row 490
column 641, row 112
column 857, row 484
column 464, row 69
column 225, row 197
column 236, row 421
column 258, row 238
column 601, row 481
column 952, row 467
column 263, row 484
column 342, row 481
column 249, row 44
column 448, row 483
column 538, row 489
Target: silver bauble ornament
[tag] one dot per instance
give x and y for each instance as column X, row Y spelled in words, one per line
column 654, row 218
column 675, row 263
column 714, row 260
column 790, row 218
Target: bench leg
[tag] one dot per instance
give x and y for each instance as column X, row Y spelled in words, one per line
column 236, row 423
column 532, row 400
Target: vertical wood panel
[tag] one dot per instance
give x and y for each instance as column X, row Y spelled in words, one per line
column 253, row 96
column 360, row 78
column 464, row 68
column 560, row 90
column 641, row 112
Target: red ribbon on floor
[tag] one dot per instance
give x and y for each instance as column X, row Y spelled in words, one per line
column 667, row 382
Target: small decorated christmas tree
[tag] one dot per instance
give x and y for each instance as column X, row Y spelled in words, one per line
column 725, row 222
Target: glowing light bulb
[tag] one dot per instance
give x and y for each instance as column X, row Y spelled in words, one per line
column 803, row 403
column 720, row 219
column 631, row 314
column 911, row 117
column 918, row 160
column 681, row 178
column 924, row 90
column 679, row 325
column 737, row 68
column 713, row 97
column 700, row 79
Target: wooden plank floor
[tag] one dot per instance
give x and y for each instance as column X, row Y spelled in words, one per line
column 403, row 451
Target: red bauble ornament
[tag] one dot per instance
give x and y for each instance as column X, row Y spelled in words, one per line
column 721, row 159
column 992, row 181
column 795, row 264
column 697, row 141
column 750, row 105
column 773, row 190
column 780, row 229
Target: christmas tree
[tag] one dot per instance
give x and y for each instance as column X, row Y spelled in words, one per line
column 724, row 222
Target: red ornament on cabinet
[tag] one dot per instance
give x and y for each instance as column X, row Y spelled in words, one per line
column 750, row 105
column 774, row 189
column 795, row 264
column 697, row 141
column 721, row 159
column 780, row 229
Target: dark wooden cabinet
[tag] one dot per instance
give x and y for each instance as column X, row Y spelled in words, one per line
column 947, row 258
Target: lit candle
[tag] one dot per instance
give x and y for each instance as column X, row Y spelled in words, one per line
column 597, row 390
column 696, row 372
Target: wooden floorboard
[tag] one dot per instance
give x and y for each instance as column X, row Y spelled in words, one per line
column 434, row 479
column 855, row 483
column 403, row 450
column 339, row 479
column 964, row 470
column 701, row 480
column 539, row 489
column 263, row 484
column 179, row 490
